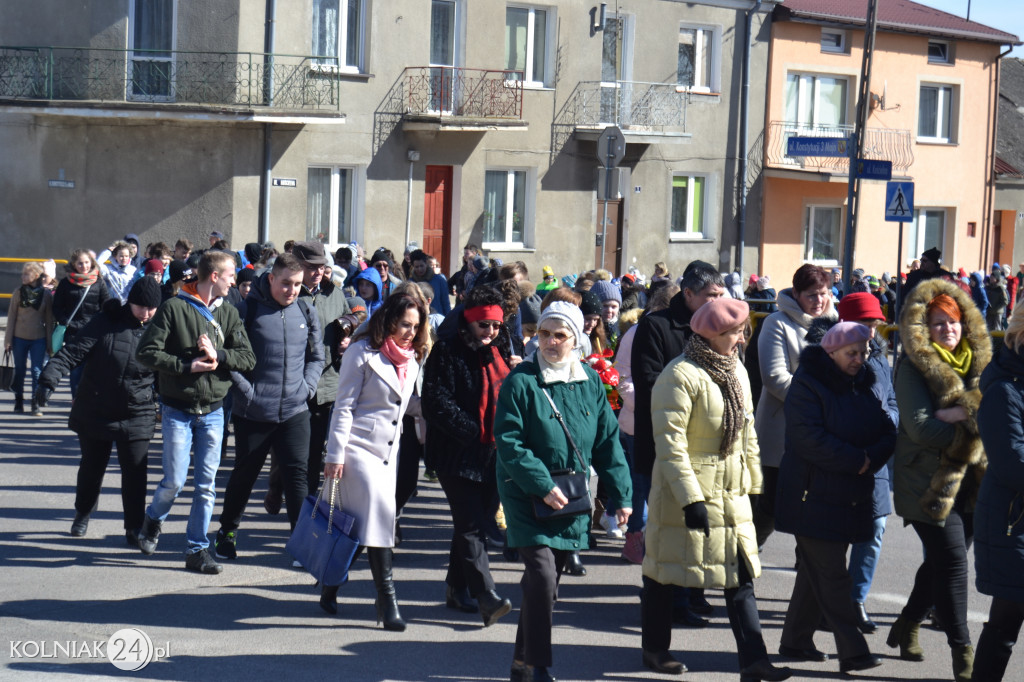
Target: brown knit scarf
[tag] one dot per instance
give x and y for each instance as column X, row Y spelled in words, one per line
column 722, row 370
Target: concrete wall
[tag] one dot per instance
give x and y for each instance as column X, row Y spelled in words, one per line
column 952, row 176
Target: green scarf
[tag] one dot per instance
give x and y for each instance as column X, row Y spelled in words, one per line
column 959, row 359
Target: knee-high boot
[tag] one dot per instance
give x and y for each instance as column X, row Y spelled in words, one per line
column 995, row 647
column 387, row 604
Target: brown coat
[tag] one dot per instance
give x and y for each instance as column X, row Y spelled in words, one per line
column 28, row 323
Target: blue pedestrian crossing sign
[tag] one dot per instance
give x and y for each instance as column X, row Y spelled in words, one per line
column 899, row 202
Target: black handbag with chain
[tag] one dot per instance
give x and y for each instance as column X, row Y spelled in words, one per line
column 575, row 485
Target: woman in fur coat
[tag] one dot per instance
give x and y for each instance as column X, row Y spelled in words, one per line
column 939, row 458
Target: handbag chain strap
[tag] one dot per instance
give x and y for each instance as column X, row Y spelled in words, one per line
column 330, row 513
column 558, row 416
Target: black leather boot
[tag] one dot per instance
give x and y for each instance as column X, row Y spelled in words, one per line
column 387, row 604
column 573, row 565
column 458, row 598
column 329, row 599
column 19, row 403
column 492, row 607
column 995, row 647
column 864, row 622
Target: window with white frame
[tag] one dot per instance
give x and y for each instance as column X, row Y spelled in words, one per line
column 935, row 113
column 695, row 69
column 506, row 203
column 151, row 41
column 928, row 230
column 689, row 202
column 833, row 40
column 823, row 227
column 338, row 34
column 815, row 101
column 939, row 52
column 329, row 204
column 527, row 37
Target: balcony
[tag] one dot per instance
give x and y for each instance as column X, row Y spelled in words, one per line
column 879, row 144
column 175, row 82
column 446, row 98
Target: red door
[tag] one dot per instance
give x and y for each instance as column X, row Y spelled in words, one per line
column 437, row 214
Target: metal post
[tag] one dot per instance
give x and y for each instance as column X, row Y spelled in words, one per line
column 604, row 221
column 899, row 283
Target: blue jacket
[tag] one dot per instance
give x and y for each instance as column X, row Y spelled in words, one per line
column 832, row 421
column 886, row 394
column 999, row 513
column 370, row 275
column 289, row 346
column 978, row 294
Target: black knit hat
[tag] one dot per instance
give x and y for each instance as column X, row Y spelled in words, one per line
column 591, row 303
column 245, row 275
column 181, row 272
column 146, row 293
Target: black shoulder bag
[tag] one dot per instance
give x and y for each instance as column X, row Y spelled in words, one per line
column 575, row 485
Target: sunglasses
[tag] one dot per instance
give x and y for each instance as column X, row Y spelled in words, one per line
column 559, row 337
column 380, row 265
column 488, row 324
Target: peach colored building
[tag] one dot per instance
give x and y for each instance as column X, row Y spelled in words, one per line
column 934, row 85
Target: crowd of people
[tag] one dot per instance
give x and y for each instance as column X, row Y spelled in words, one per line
column 713, row 416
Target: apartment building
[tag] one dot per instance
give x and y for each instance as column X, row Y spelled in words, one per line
column 934, row 89
column 383, row 122
column 1009, row 166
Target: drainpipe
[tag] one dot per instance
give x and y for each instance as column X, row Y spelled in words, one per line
column 408, row 205
column 989, row 203
column 268, row 128
column 741, row 219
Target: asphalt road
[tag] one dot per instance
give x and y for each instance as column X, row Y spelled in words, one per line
column 62, row 596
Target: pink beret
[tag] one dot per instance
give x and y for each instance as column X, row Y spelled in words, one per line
column 719, row 315
column 845, row 333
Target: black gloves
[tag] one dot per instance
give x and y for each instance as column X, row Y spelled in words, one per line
column 43, row 395
column 695, row 516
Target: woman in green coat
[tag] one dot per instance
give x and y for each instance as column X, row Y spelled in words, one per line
column 531, row 444
column 700, row 531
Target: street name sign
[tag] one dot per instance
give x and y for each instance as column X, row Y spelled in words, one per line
column 818, row 146
column 873, row 169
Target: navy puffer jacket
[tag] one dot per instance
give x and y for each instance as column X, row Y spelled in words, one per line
column 999, row 513
column 832, row 421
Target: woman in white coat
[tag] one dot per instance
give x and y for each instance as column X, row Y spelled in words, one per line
column 375, row 386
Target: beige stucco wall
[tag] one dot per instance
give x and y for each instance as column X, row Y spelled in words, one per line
column 952, row 176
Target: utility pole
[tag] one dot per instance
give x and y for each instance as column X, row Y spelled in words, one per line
column 856, row 146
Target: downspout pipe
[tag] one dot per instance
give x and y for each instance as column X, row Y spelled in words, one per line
column 741, row 218
column 266, row 178
column 991, row 180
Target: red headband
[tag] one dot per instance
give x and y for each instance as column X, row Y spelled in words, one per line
column 484, row 312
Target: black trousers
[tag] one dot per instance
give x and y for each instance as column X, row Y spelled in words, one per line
column 410, row 451
column 995, row 646
column 468, row 566
column 253, row 440
column 822, row 588
column 941, row 581
column 740, row 605
column 132, row 457
column 319, row 423
column 543, row 567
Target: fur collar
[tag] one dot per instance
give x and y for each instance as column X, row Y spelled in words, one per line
column 942, row 381
column 816, row 362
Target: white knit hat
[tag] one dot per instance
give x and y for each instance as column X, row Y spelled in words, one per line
column 566, row 313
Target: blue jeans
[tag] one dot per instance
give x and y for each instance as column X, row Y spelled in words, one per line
column 181, row 431
column 25, row 350
column 863, row 560
column 641, row 488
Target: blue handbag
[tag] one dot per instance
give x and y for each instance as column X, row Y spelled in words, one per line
column 323, row 540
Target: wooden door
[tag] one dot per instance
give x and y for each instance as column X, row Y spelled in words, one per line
column 437, row 214
column 613, row 237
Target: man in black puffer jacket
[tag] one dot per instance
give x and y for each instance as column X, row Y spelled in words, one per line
column 114, row 404
column 270, row 400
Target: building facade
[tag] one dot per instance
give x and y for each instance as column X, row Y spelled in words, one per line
column 436, row 121
column 934, row 87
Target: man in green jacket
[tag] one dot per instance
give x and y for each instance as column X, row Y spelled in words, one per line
column 193, row 342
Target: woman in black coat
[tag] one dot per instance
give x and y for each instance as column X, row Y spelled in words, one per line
column 837, row 436
column 115, row 403
column 999, row 513
column 78, row 297
column 461, row 380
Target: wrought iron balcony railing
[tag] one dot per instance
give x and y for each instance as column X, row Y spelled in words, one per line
column 629, row 104
column 232, row 79
column 879, row 143
column 467, row 93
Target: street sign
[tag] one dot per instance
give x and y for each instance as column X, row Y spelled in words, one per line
column 899, row 202
column 872, row 169
column 818, row 146
column 611, row 147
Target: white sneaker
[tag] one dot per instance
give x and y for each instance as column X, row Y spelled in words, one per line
column 611, row 528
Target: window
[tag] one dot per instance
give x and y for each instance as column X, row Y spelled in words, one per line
column 935, row 113
column 833, row 40
column 152, row 59
column 939, row 52
column 338, row 34
column 505, row 208
column 823, row 234
column 814, row 101
column 688, row 206
column 972, row 229
column 526, row 44
column 928, row 230
column 695, row 62
column 329, row 204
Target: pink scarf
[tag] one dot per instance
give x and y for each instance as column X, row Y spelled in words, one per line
column 399, row 357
